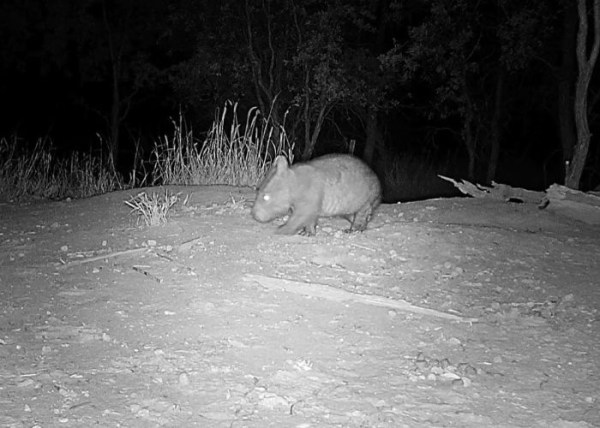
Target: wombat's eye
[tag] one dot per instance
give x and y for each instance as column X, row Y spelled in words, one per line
column 266, row 197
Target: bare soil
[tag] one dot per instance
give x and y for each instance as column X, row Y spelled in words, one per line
column 188, row 330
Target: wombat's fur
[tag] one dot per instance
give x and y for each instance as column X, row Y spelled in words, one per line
column 332, row 185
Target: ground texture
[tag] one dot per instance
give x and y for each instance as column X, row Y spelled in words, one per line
column 104, row 322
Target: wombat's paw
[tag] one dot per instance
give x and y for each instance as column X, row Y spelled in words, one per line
column 308, row 231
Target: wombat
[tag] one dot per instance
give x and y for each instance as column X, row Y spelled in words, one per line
column 328, row 186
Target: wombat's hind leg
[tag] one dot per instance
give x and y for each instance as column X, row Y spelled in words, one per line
column 350, row 218
column 358, row 222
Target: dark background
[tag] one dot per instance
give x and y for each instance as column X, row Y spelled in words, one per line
column 417, row 80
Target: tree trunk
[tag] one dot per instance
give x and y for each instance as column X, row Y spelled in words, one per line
column 373, row 137
column 115, row 117
column 470, row 146
column 309, row 146
column 495, row 134
column 467, row 133
column 566, row 77
column 307, row 149
column 114, row 120
column 585, row 65
column 265, row 76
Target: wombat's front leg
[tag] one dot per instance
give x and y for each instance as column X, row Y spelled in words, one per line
column 305, row 223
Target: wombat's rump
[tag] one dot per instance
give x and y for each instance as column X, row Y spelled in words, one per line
column 331, row 185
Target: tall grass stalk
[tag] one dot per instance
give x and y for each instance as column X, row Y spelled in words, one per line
column 40, row 173
column 233, row 152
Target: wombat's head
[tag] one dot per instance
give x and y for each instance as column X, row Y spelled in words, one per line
column 273, row 196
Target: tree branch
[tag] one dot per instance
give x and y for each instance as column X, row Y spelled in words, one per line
column 582, row 33
column 596, row 45
column 271, row 49
column 254, row 61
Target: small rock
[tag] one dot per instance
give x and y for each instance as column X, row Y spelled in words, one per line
column 450, row 376
column 26, row 383
column 380, row 403
column 454, row 341
column 184, row 379
column 437, row 370
column 458, row 383
column 466, row 369
column 272, row 401
column 421, row 364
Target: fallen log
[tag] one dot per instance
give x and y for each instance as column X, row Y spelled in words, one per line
column 581, row 206
column 498, row 191
column 568, row 202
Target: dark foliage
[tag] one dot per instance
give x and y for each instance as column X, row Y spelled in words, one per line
column 486, row 84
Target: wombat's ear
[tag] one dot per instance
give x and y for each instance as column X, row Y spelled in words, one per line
column 281, row 163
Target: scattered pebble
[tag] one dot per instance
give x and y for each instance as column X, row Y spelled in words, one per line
column 454, row 341
column 184, row 379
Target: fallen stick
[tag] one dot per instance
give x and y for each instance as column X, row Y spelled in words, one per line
column 143, row 271
column 101, row 257
column 186, row 246
column 331, row 293
column 175, row 262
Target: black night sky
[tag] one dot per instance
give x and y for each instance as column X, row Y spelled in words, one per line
column 474, row 89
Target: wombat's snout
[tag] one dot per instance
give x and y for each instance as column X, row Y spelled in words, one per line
column 259, row 214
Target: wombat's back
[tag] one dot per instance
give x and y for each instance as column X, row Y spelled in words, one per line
column 348, row 184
